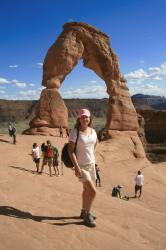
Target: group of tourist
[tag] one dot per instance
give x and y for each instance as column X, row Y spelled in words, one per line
column 50, row 156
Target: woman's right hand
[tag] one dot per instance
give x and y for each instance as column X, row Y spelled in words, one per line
column 78, row 172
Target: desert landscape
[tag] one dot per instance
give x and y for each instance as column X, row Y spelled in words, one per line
column 42, row 212
column 58, row 64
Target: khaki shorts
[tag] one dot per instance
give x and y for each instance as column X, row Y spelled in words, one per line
column 88, row 173
column 48, row 161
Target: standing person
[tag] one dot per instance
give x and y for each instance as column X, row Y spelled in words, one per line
column 83, row 159
column 97, row 175
column 60, row 131
column 139, row 179
column 55, row 161
column 36, row 155
column 48, row 157
column 67, row 132
column 10, row 127
column 14, row 132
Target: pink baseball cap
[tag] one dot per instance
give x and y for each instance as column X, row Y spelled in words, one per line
column 83, row 112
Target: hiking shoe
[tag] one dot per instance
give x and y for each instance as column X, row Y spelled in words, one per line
column 88, row 220
column 82, row 215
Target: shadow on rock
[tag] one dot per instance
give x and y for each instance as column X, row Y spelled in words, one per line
column 16, row 213
column 23, row 169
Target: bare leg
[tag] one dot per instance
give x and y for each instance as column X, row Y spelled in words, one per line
column 136, row 191
column 61, row 167
column 140, row 191
column 37, row 167
column 50, row 169
column 88, row 195
column 55, row 170
column 42, row 167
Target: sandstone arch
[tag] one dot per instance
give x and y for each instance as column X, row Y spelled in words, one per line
column 82, row 41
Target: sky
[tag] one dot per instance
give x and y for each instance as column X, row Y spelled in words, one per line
column 136, row 29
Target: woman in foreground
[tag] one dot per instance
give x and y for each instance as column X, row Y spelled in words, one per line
column 83, row 159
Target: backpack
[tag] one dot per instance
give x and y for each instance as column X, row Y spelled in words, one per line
column 10, row 130
column 65, row 157
column 49, row 152
column 65, row 153
column 13, row 130
column 43, row 147
column 114, row 192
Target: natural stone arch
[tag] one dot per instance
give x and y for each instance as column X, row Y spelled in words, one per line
column 82, row 41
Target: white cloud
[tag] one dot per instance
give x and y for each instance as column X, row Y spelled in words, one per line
column 155, row 69
column 14, row 80
column 2, row 92
column 139, row 74
column 142, row 61
column 32, row 84
column 153, row 73
column 93, row 81
column 41, row 88
column 2, row 87
column 3, row 80
column 87, row 91
column 13, row 66
column 19, row 84
column 158, row 78
column 40, row 64
column 148, row 89
column 29, row 95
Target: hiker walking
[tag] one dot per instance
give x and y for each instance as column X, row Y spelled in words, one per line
column 97, row 175
column 36, row 155
column 139, row 180
column 83, row 159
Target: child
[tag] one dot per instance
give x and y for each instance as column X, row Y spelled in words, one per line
column 36, row 155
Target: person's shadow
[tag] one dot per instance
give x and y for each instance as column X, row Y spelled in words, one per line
column 2, row 140
column 23, row 169
column 16, row 213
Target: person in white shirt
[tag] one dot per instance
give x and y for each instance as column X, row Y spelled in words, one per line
column 36, row 155
column 83, row 158
column 139, row 179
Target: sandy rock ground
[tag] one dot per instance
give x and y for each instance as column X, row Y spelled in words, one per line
column 39, row 212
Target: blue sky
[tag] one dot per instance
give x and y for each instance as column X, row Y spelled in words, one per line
column 137, row 34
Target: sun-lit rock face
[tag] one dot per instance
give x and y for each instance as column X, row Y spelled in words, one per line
column 82, row 41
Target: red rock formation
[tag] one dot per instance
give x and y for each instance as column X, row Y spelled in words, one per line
column 51, row 113
column 82, row 41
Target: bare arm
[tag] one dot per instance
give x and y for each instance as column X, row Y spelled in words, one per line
column 74, row 159
column 96, row 144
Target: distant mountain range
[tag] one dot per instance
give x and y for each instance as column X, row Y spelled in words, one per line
column 24, row 110
column 149, row 102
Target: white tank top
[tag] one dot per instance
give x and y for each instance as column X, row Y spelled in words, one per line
column 85, row 146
